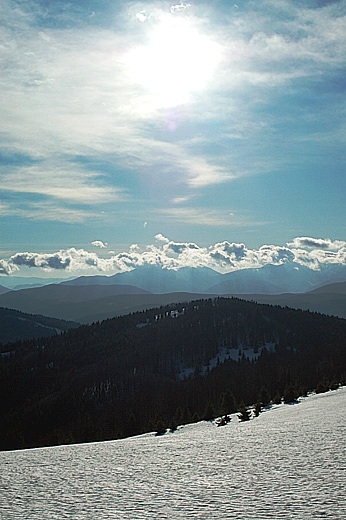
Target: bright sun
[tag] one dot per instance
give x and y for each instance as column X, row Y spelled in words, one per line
column 177, row 61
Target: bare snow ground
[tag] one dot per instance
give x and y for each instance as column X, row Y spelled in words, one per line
column 290, row 462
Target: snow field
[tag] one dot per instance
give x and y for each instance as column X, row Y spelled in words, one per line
column 290, row 462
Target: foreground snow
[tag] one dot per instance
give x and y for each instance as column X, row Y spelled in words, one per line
column 287, row 463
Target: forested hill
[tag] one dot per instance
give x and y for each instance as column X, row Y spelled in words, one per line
column 170, row 365
column 16, row 325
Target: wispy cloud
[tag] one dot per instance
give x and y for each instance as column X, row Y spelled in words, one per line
column 67, row 182
column 47, row 211
column 206, row 217
column 69, row 89
column 68, row 94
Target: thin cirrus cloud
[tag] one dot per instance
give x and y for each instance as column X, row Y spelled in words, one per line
column 72, row 88
column 222, row 256
column 47, row 211
column 75, row 82
column 80, row 133
column 66, row 182
column 210, row 217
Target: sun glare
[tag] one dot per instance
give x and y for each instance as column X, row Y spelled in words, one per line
column 177, row 61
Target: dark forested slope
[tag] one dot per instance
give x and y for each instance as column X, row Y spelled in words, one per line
column 16, row 325
column 171, row 365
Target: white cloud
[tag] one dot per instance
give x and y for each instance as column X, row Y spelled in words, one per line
column 275, row 255
column 228, row 256
column 79, row 99
column 222, row 256
column 100, row 244
column 6, row 268
column 317, row 243
column 142, row 16
column 67, row 182
column 180, row 7
column 161, row 238
column 180, row 200
column 195, row 215
column 71, row 260
column 44, row 261
column 48, row 211
column 68, row 92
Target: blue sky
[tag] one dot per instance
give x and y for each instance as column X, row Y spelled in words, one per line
column 127, row 126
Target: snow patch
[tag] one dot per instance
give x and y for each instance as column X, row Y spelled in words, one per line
column 226, row 353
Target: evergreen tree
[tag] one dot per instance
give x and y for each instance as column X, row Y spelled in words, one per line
column 290, row 394
column 277, row 398
column 333, row 384
column 264, row 397
column 244, row 414
column 322, row 387
column 179, row 416
column 131, row 426
column 209, row 413
column 173, row 425
column 160, row 427
column 195, row 418
column 258, row 409
column 222, row 421
column 228, row 403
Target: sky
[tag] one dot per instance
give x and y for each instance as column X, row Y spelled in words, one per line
column 195, row 133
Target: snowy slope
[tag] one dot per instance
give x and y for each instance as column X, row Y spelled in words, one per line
column 287, row 463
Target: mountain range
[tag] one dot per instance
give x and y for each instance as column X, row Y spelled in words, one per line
column 93, row 298
column 158, row 280
column 278, row 279
column 269, row 279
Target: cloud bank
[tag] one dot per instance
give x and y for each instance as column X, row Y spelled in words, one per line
column 222, row 256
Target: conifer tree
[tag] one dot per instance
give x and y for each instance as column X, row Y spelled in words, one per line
column 227, row 403
column 173, row 425
column 264, row 397
column 209, row 413
column 290, row 394
column 258, row 409
column 322, row 387
column 277, row 398
column 132, row 426
column 160, row 427
column 244, row 414
column 195, row 417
